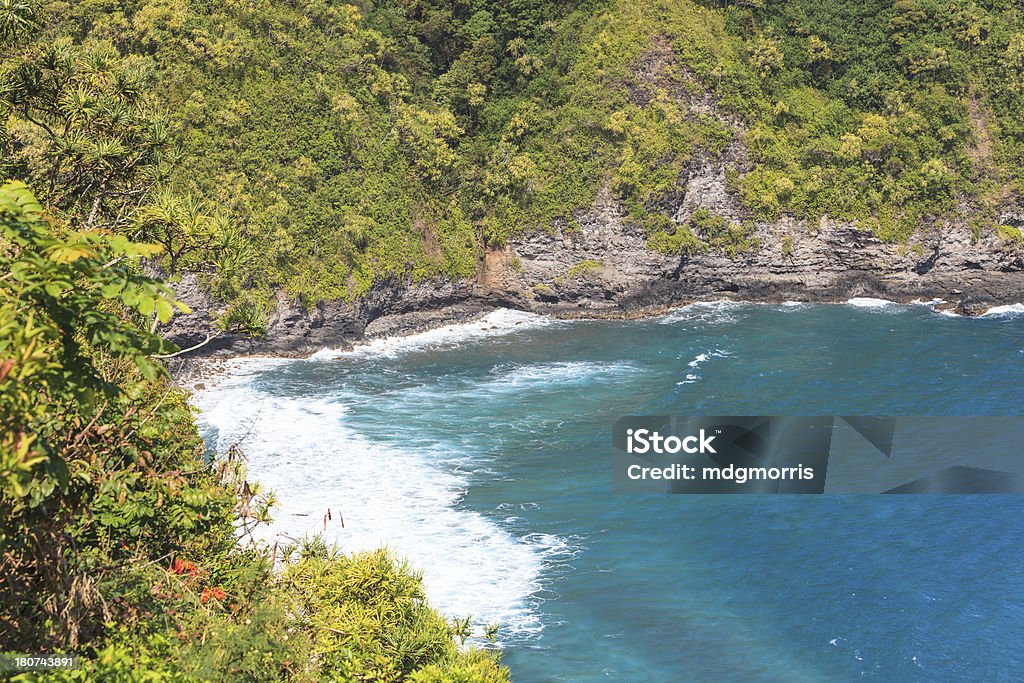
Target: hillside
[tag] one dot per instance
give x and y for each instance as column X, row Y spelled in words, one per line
column 335, row 147
column 275, row 177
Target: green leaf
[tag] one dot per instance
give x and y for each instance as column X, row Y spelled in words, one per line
column 72, row 252
column 164, row 310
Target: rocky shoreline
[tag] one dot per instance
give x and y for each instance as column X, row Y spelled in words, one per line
column 395, row 309
column 603, row 267
column 295, row 332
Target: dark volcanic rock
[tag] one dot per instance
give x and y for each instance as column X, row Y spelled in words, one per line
column 604, row 269
column 389, row 308
column 829, row 261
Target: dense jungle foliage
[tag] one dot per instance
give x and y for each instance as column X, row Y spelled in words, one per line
column 319, row 147
column 119, row 541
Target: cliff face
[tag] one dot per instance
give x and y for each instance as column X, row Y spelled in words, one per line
column 294, row 330
column 606, row 268
column 601, row 262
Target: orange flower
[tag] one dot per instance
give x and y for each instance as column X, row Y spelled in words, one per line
column 182, row 567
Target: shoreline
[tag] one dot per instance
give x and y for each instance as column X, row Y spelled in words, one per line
column 310, row 431
column 607, row 270
column 399, row 326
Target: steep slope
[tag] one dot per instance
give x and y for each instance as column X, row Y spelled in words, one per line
column 357, row 152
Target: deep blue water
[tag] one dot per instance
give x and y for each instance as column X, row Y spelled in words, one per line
column 482, row 454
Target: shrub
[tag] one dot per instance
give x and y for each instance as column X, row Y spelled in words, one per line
column 121, row 543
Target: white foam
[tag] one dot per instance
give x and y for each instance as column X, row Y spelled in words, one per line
column 696, row 363
column 933, row 306
column 1003, row 311
column 404, row 499
column 708, row 312
column 547, row 375
column 869, row 302
column 496, row 323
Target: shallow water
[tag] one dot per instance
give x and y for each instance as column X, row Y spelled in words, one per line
column 480, row 452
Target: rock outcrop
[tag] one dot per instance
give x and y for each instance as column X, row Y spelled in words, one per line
column 389, row 308
column 605, row 268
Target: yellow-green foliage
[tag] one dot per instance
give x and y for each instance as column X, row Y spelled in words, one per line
column 583, row 267
column 345, row 145
column 1010, row 234
column 720, row 235
column 370, row 621
column 120, row 540
column 680, row 241
column 94, row 442
column 705, row 232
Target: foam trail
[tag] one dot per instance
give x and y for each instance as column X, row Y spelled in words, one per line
column 1004, row 311
column 544, row 376
column 408, row 501
column 708, row 312
column 496, row 323
column 695, row 364
column 869, row 302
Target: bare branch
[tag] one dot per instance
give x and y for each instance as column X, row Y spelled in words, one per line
column 191, row 348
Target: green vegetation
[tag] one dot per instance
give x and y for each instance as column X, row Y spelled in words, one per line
column 118, row 540
column 321, row 147
column 584, row 267
column 1009, row 234
column 705, row 232
column 787, row 246
column 891, row 124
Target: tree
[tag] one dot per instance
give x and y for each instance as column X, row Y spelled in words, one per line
column 79, row 125
column 72, row 458
column 184, row 226
column 117, row 539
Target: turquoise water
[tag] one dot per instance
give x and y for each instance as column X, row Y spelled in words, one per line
column 481, row 453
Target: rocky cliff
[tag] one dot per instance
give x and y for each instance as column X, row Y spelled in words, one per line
column 604, row 267
column 606, row 270
column 601, row 263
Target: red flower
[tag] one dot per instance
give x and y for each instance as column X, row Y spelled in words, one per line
column 182, row 567
column 211, row 593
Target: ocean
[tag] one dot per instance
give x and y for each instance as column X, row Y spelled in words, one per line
column 480, row 452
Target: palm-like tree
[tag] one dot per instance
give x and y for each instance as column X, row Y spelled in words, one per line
column 182, row 224
column 16, row 16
